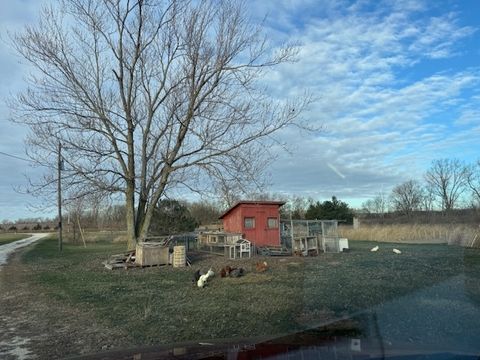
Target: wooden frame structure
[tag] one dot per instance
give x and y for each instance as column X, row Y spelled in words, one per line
column 231, row 245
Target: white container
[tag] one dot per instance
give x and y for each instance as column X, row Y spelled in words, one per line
column 342, row 244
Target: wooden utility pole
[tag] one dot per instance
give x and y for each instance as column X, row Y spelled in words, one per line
column 59, row 195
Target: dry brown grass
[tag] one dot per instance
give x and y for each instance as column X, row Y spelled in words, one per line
column 93, row 236
column 420, row 234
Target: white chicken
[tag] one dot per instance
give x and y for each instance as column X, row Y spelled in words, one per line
column 202, row 281
column 396, row 251
column 374, row 249
column 210, row 273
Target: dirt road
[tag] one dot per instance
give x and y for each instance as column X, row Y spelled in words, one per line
column 7, row 249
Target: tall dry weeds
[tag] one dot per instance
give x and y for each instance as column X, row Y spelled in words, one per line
column 464, row 235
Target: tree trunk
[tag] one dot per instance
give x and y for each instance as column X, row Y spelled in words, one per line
column 142, row 203
column 130, row 191
column 146, row 223
column 130, row 216
column 150, row 208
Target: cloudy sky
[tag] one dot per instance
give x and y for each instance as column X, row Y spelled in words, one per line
column 396, row 85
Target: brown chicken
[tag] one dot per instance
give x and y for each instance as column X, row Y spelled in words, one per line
column 261, row 266
column 226, row 271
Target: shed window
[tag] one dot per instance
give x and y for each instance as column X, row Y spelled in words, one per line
column 249, row 222
column 272, row 223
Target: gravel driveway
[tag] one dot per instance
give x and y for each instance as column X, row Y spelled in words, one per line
column 7, row 249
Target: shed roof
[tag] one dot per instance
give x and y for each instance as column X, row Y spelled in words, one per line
column 254, row 202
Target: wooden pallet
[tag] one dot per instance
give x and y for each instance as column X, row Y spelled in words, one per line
column 127, row 261
column 121, row 261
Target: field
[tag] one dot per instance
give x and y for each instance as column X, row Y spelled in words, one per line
column 6, row 238
column 68, row 303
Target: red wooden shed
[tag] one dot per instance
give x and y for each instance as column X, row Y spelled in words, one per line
column 258, row 221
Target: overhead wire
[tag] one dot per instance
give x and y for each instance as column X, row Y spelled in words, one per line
column 14, row 156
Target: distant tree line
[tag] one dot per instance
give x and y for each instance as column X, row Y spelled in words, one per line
column 177, row 216
column 448, row 185
column 171, row 216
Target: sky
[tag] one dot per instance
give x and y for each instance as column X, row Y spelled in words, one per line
column 395, row 86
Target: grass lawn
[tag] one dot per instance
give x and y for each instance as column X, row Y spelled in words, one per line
column 160, row 304
column 10, row 237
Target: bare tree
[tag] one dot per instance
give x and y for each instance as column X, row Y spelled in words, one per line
column 428, row 200
column 447, row 178
column 296, row 206
column 407, row 197
column 148, row 97
column 378, row 205
column 473, row 181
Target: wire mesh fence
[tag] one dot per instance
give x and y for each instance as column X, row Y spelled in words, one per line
column 310, row 235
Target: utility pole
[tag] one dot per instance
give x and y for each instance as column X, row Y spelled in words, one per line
column 59, row 195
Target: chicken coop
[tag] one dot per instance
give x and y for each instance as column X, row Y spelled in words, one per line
column 231, row 245
column 257, row 221
column 310, row 237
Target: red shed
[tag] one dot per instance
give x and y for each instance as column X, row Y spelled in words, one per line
column 258, row 221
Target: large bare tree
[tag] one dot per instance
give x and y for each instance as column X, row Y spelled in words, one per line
column 447, row 178
column 148, row 96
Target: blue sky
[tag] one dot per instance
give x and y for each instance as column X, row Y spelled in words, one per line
column 396, row 85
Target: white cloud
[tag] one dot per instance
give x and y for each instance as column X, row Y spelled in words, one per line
column 383, row 121
column 469, row 113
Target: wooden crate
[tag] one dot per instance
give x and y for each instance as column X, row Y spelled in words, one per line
column 148, row 254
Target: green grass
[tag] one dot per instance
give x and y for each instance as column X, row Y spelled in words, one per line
column 8, row 237
column 160, row 305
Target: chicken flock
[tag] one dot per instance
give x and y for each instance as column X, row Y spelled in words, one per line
column 201, row 279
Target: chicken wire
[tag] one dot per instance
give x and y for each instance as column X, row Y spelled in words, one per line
column 325, row 231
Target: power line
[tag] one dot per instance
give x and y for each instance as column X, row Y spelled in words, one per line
column 14, row 156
